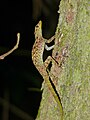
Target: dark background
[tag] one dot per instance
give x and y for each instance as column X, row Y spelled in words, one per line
column 17, row 72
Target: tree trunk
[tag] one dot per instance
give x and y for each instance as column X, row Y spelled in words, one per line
column 72, row 81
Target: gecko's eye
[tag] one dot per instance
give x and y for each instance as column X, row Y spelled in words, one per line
column 37, row 37
column 37, row 26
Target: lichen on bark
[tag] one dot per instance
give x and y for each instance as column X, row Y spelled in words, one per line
column 73, row 82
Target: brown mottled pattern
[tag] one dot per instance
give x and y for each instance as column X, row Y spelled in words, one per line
column 37, row 58
column 37, row 51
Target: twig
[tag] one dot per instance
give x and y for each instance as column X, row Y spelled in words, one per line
column 14, row 48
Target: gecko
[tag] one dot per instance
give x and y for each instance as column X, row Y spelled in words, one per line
column 41, row 66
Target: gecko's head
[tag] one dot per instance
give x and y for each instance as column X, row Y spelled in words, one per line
column 38, row 29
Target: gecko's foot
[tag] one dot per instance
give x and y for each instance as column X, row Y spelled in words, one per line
column 43, row 84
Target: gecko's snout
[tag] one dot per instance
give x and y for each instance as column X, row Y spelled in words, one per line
column 39, row 24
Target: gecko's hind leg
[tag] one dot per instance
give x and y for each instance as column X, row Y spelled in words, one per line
column 48, row 60
column 51, row 75
column 46, row 64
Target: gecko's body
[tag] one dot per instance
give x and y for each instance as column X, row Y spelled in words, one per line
column 38, row 49
column 37, row 57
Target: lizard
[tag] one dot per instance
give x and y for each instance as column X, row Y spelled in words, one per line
column 37, row 58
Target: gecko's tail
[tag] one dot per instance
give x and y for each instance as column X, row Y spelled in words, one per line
column 56, row 95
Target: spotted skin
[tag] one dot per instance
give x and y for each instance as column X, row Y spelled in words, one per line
column 37, row 58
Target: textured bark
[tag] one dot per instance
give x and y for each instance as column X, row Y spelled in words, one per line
column 73, row 82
